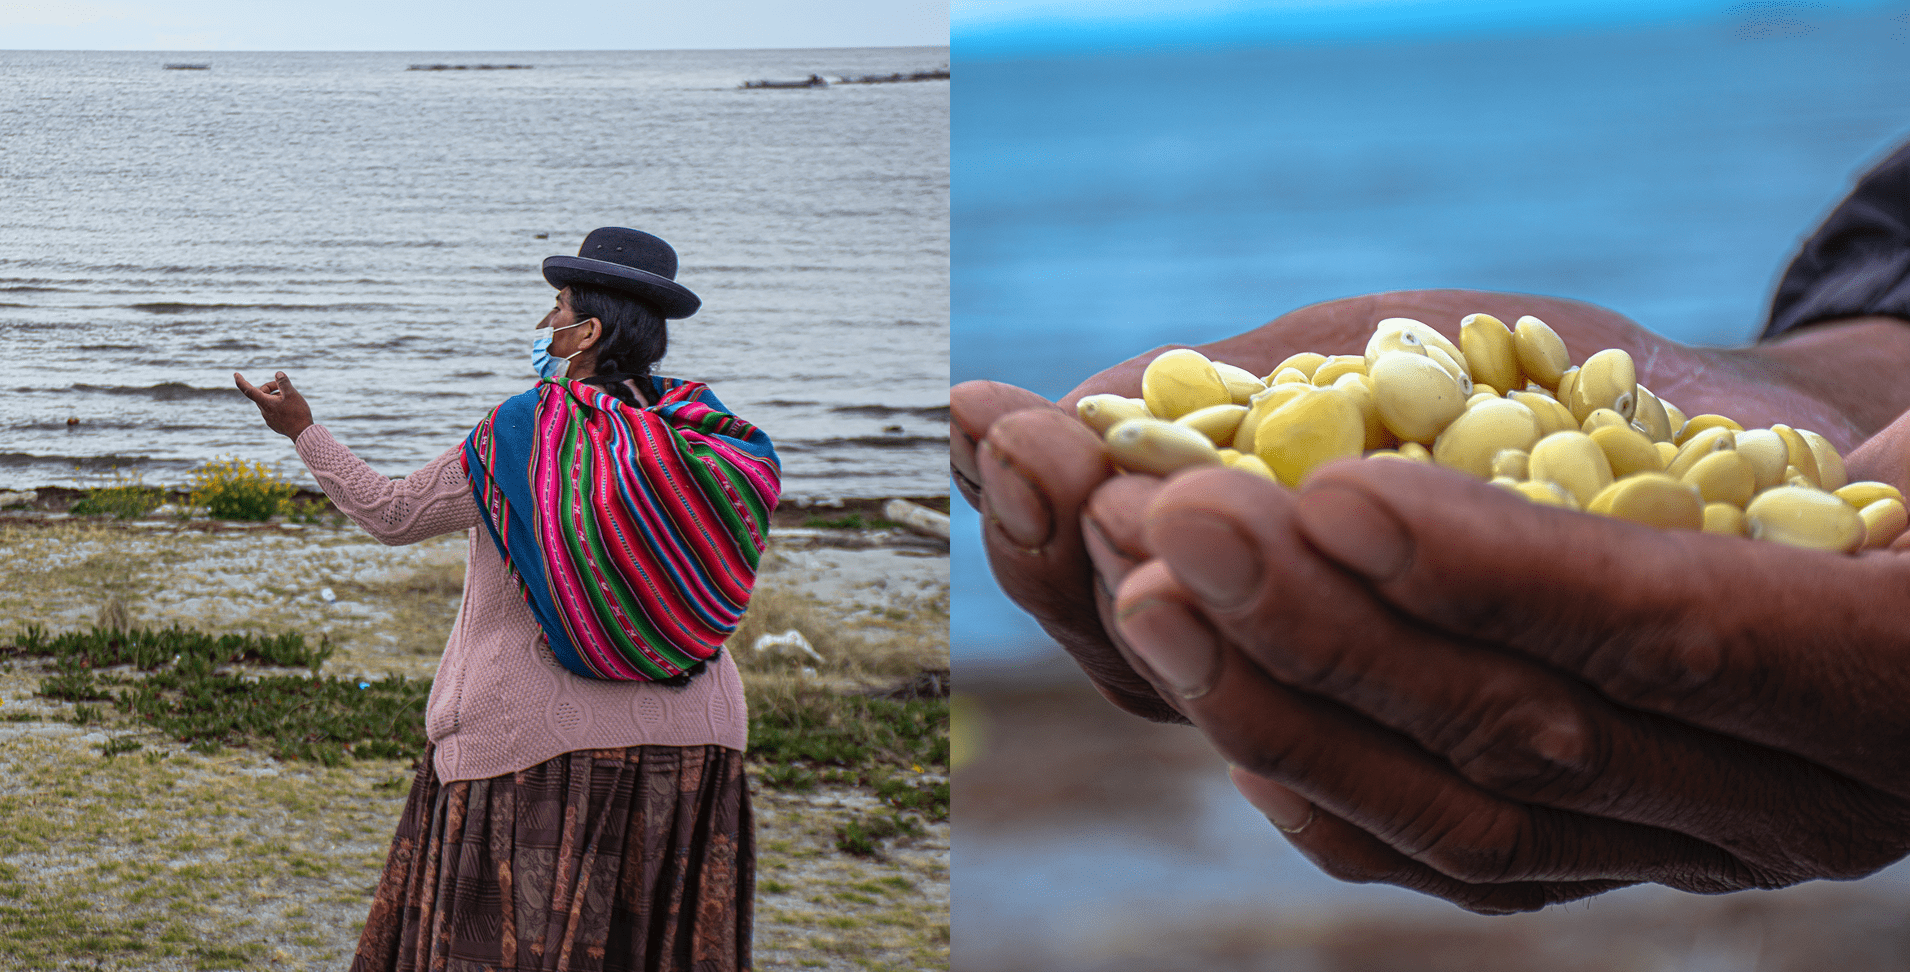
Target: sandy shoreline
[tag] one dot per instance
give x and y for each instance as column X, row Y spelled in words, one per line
column 119, row 845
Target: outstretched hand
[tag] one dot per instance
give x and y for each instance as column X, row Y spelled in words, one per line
column 282, row 407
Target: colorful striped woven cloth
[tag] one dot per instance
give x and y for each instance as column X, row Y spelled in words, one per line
column 634, row 533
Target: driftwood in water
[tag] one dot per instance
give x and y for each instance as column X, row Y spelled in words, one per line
column 813, row 81
column 939, row 74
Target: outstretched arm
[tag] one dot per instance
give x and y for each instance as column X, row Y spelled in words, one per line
column 432, row 501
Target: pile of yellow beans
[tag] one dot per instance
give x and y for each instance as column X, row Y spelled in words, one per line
column 1506, row 405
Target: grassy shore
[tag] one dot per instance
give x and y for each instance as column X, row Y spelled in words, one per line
column 122, row 847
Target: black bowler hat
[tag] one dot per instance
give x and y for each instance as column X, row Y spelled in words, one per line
column 629, row 261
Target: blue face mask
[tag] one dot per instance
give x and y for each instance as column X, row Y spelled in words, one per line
column 548, row 365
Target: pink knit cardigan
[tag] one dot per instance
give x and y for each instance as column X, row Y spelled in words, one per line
column 501, row 702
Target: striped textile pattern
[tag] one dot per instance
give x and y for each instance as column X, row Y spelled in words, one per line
column 633, row 533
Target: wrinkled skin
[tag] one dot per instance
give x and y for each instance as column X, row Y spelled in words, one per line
column 1429, row 682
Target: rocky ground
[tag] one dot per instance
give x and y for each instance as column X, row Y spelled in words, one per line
column 121, row 849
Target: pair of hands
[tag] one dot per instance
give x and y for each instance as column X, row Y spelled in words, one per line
column 1432, row 683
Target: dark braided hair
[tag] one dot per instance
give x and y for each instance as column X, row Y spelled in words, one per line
column 634, row 338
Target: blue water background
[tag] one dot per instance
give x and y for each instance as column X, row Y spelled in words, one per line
column 1109, row 202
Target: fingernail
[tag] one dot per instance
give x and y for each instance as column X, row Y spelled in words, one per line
column 1286, row 809
column 1016, row 506
column 1176, row 646
column 1208, row 554
column 1350, row 528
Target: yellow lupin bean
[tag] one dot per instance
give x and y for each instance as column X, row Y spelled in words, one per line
column 1416, row 397
column 1241, row 383
column 1103, row 412
column 1724, row 519
column 1884, row 521
column 1600, row 418
column 1219, row 423
column 1798, row 451
column 1159, row 448
column 1252, row 464
column 1541, row 352
column 1289, row 376
column 1182, row 381
column 1830, row 465
column 1722, row 477
column 1483, row 431
column 1396, row 339
column 1428, row 337
column 1627, row 450
column 1666, row 452
column 1698, row 423
column 1696, row 448
column 1552, row 416
column 1607, row 379
column 1865, row 492
column 1359, row 388
column 1263, row 405
column 1329, row 373
column 1455, row 368
column 1549, row 493
column 1655, row 421
column 1675, row 417
column 1574, row 461
column 1416, row 452
column 1804, row 517
column 1564, row 392
column 1306, row 362
column 1317, row 427
column 1490, row 351
column 1765, row 449
column 1512, row 464
column 1653, row 499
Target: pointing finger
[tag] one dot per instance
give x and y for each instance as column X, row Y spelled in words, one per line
column 247, row 389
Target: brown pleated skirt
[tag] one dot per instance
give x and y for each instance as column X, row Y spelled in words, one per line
column 612, row 860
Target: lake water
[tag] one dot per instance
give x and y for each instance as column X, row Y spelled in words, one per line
column 376, row 233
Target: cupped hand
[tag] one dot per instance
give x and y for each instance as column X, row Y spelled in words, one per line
column 282, row 407
column 1032, row 468
column 1430, row 682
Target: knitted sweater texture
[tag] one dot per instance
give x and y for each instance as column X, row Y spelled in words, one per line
column 501, row 702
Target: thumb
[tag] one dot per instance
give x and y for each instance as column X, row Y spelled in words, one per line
column 285, row 384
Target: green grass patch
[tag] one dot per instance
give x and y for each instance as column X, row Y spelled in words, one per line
column 863, row 835
column 195, row 687
column 126, row 499
column 803, row 734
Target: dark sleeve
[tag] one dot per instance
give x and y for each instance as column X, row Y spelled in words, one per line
column 1858, row 262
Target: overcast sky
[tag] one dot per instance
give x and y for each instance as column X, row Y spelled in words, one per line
column 467, row 25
